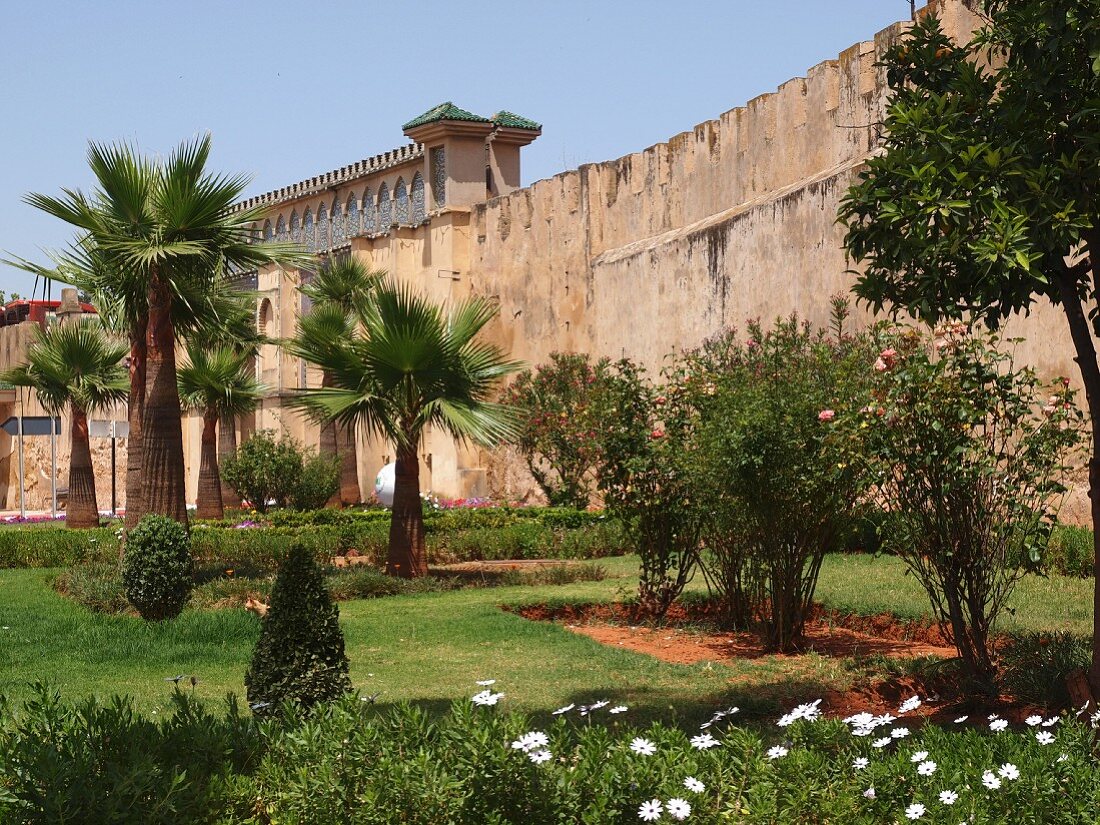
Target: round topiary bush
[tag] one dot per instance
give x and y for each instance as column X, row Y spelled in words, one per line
column 300, row 653
column 157, row 568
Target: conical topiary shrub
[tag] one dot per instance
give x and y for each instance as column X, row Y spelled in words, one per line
column 300, row 654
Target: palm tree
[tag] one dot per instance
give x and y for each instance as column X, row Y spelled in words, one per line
column 159, row 235
column 216, row 381
column 74, row 364
column 404, row 364
column 344, row 283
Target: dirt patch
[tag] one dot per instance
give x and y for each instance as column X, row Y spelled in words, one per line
column 688, row 633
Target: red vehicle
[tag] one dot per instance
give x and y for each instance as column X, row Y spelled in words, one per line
column 41, row 312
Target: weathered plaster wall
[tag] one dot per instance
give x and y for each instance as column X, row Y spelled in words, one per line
column 653, row 252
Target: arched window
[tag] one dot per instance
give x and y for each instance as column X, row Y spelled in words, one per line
column 267, row 231
column 385, row 209
column 338, row 233
column 351, row 217
column 322, row 227
column 370, row 219
column 309, row 238
column 417, row 198
column 400, row 202
column 295, row 227
column 267, row 365
column 280, row 230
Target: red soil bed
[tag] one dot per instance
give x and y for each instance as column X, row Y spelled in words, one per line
column 687, row 635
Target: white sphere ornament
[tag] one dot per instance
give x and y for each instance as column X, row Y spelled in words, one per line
column 384, row 483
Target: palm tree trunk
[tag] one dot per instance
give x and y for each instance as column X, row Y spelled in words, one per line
column 209, row 498
column 407, row 554
column 134, row 412
column 83, row 510
column 349, row 465
column 328, row 443
column 162, row 479
column 227, row 445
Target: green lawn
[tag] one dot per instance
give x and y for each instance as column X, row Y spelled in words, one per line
column 431, row 648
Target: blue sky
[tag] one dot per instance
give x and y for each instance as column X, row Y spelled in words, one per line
column 289, row 90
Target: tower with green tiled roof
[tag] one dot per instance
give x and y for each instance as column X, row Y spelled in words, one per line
column 470, row 157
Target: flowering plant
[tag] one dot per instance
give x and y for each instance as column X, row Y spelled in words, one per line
column 564, row 405
column 968, row 455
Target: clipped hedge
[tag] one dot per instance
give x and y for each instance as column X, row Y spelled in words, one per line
column 55, row 546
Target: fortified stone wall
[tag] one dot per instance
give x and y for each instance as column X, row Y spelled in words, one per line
column 656, row 251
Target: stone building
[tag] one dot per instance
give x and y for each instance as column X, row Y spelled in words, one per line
column 640, row 256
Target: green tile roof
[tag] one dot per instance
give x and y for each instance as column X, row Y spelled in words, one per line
column 515, row 121
column 444, row 111
column 4, row 385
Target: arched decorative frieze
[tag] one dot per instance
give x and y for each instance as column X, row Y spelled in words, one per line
column 385, row 208
column 351, row 217
column 370, row 217
column 267, row 231
column 400, row 202
column 418, row 207
column 309, row 236
column 295, row 227
column 323, row 241
column 280, row 230
column 339, row 234
column 439, row 176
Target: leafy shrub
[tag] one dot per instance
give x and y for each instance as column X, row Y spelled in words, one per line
column 772, row 471
column 97, row 585
column 299, row 657
column 1034, row 666
column 264, row 470
column 967, row 452
column 564, row 404
column 157, row 567
column 55, row 547
column 645, row 481
column 1069, row 552
column 104, row 762
column 318, row 482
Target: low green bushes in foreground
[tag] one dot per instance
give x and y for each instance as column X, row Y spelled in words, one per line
column 477, row 763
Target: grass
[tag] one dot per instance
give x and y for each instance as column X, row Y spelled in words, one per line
column 430, row 648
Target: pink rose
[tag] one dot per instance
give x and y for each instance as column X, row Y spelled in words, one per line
column 880, row 365
column 826, row 415
column 657, row 433
column 889, row 357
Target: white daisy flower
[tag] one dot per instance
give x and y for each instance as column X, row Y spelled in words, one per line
column 618, row 709
column 787, row 719
column 881, row 743
column 1033, row 721
column 909, row 705
column 961, row 719
column 603, row 703
column 1009, row 771
column 885, row 719
column 1062, row 758
column 869, row 793
column 778, row 752
column 948, row 797
column 678, row 808
column 704, row 741
column 919, row 756
column 538, row 757
column 990, row 780
column 914, row 811
column 860, row 763
column 565, row 709
column 861, row 720
column 531, row 740
column 899, row 733
column 486, row 682
column 694, row 785
column 863, row 731
column 1051, row 722
column 926, row 768
column 642, row 747
column 1044, row 737
column 486, row 698
column 998, row 724
column 650, row 811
